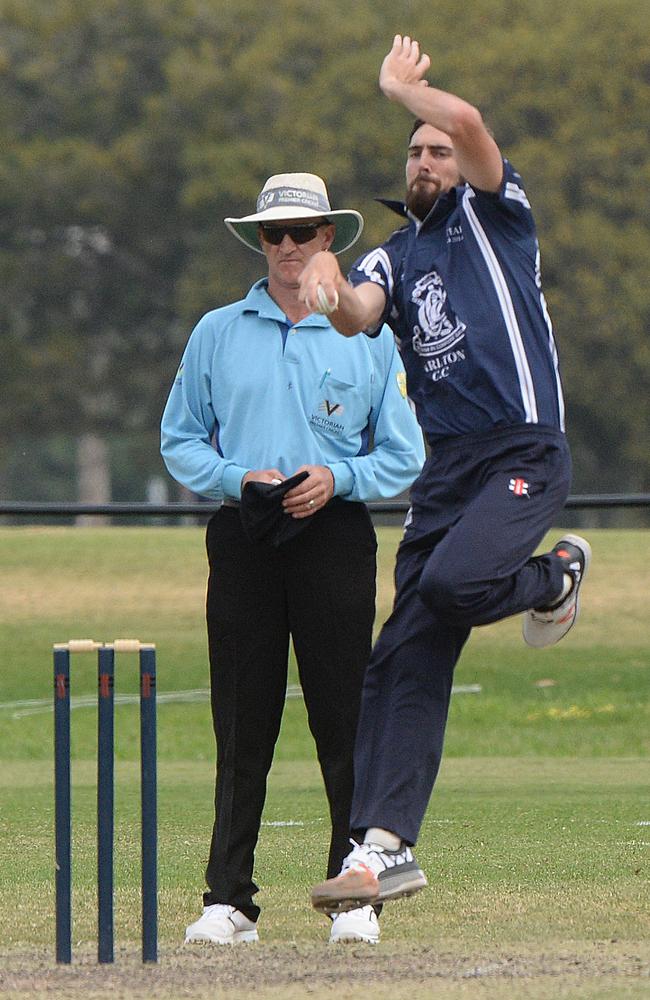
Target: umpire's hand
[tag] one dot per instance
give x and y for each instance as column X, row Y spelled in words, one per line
column 312, row 494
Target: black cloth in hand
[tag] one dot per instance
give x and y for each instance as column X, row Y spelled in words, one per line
column 262, row 513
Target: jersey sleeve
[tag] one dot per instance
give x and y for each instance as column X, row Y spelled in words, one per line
column 509, row 204
column 378, row 266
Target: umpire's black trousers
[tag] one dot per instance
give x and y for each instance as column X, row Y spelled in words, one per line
column 318, row 588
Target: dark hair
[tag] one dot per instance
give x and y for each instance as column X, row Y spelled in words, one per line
column 418, row 123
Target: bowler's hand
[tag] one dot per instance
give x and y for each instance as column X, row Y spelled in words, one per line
column 322, row 269
column 272, row 476
column 312, row 493
column 403, row 66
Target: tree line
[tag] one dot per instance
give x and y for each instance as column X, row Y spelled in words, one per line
column 130, row 128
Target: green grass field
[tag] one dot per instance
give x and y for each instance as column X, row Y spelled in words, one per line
column 536, row 842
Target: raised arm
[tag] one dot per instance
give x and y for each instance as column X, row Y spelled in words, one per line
column 401, row 79
column 324, row 289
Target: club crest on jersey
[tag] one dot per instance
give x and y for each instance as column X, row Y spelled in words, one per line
column 437, row 329
column 519, row 487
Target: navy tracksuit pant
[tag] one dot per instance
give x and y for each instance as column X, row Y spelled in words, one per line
column 480, row 507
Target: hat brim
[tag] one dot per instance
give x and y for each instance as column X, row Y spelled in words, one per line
column 349, row 225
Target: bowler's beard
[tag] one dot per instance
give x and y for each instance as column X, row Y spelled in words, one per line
column 421, row 197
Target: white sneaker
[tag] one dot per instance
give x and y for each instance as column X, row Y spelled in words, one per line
column 370, row 874
column 546, row 626
column 221, row 924
column 355, row 925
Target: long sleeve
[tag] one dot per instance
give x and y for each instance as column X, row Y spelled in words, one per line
column 245, row 398
column 189, row 425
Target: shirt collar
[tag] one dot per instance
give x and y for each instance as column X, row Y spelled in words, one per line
column 441, row 208
column 259, row 301
column 395, row 206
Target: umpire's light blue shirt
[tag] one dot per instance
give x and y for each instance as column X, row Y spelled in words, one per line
column 246, row 397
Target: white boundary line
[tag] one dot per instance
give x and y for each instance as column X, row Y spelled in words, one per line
column 37, row 706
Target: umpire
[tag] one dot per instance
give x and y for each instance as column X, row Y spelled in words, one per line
column 293, row 428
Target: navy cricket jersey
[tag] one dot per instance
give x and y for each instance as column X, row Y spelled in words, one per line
column 464, row 299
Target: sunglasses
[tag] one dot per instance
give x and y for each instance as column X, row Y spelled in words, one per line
column 299, row 234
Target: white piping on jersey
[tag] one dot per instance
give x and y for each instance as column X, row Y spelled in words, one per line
column 369, row 263
column 526, row 385
column 551, row 341
column 515, row 193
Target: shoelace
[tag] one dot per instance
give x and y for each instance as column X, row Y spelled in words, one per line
column 371, row 857
column 359, row 855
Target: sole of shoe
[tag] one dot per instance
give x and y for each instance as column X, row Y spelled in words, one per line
column 350, row 891
column 326, row 902
column 330, row 900
column 352, row 938
column 401, row 885
column 240, row 937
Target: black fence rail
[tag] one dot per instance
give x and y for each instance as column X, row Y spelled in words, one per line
column 585, row 501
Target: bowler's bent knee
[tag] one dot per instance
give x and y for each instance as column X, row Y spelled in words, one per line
column 450, row 596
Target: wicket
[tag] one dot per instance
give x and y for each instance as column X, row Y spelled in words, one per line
column 105, row 786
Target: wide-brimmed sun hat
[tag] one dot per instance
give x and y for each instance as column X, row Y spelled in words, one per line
column 287, row 197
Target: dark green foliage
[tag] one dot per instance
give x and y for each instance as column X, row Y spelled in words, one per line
column 128, row 131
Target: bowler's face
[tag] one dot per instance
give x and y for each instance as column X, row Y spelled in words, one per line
column 431, row 169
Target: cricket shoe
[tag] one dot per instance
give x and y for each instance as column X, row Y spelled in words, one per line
column 221, row 924
column 546, row 626
column 355, row 925
column 370, row 874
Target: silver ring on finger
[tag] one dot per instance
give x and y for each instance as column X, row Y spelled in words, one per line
column 311, row 503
